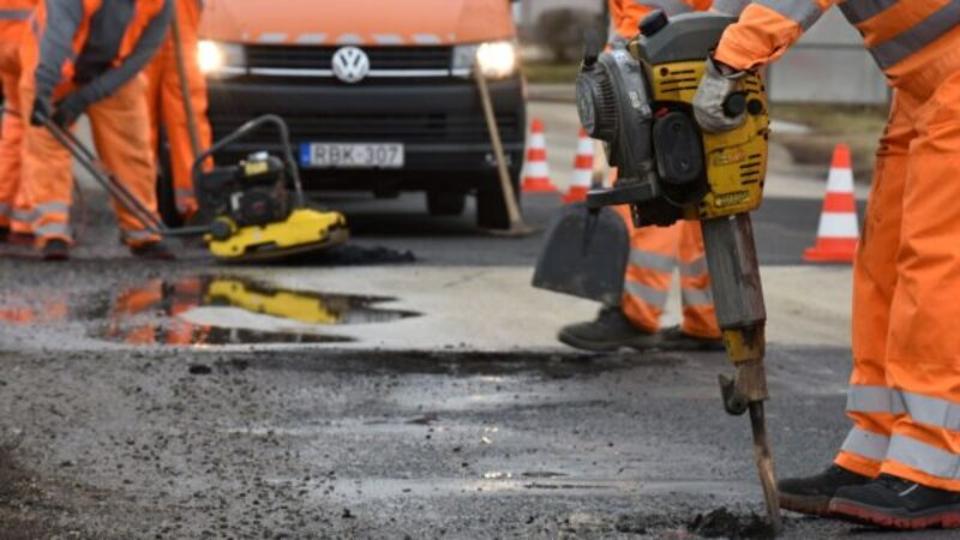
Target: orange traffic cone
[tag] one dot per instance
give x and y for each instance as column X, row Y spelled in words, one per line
column 537, row 176
column 582, row 170
column 839, row 229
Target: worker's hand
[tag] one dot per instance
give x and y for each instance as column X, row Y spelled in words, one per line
column 41, row 111
column 710, row 104
column 69, row 109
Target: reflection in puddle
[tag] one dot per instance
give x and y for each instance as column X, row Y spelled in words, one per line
column 153, row 313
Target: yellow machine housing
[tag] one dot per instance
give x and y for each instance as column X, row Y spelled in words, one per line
column 305, row 229
column 736, row 161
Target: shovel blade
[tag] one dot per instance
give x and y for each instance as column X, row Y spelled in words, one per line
column 585, row 255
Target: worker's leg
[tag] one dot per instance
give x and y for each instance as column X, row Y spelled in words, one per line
column 653, row 260
column 122, row 136
column 923, row 346
column 699, row 315
column 870, row 403
column 48, row 176
column 635, row 322
column 182, row 127
column 153, row 79
column 11, row 133
column 919, row 482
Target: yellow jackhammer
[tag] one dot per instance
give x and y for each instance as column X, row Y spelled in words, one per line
column 638, row 102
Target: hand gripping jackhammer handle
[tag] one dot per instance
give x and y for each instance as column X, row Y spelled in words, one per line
column 741, row 314
column 89, row 161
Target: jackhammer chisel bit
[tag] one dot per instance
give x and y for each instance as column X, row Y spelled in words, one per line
column 738, row 296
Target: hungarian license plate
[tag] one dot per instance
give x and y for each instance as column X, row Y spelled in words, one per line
column 352, row 155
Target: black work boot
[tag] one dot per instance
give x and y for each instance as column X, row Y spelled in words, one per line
column 158, row 250
column 675, row 339
column 895, row 503
column 812, row 495
column 55, row 250
column 610, row 332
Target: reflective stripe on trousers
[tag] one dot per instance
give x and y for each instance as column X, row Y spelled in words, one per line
column 923, row 409
column 139, row 236
column 649, row 295
column 913, row 453
column 53, row 229
column 695, row 296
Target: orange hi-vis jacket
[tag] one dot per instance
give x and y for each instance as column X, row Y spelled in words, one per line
column 13, row 16
column 902, row 35
column 626, row 15
column 57, row 75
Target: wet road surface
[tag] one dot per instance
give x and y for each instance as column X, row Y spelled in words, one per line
column 108, row 431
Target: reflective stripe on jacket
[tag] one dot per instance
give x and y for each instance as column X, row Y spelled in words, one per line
column 14, row 15
column 893, row 30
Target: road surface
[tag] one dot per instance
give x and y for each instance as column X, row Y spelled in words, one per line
column 419, row 394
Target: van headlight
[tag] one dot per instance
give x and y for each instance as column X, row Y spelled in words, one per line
column 216, row 58
column 496, row 59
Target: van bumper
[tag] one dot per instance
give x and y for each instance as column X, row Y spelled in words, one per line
column 439, row 122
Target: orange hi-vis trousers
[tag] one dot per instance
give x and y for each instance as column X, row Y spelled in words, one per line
column 904, row 395
column 121, row 135
column 15, row 206
column 655, row 254
column 167, row 107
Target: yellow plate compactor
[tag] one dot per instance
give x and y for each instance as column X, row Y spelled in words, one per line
column 247, row 211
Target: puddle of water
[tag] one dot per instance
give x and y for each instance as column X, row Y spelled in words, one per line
column 152, row 313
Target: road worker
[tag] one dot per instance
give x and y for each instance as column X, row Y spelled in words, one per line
column 85, row 56
column 180, row 108
column 15, row 206
column 655, row 252
column 899, row 467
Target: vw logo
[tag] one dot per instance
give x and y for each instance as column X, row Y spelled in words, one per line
column 350, row 64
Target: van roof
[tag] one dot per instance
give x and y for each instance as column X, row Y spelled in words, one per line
column 370, row 22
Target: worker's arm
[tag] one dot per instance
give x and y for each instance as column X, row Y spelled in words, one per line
column 56, row 44
column 766, row 29
column 153, row 36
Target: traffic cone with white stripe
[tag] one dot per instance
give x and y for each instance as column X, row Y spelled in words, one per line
column 582, row 170
column 537, row 176
column 839, row 229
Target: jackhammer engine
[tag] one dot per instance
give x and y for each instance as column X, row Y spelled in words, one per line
column 638, row 101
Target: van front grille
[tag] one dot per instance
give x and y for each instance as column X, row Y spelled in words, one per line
column 314, row 57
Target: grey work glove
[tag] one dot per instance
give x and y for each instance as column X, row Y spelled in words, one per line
column 68, row 110
column 718, row 84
